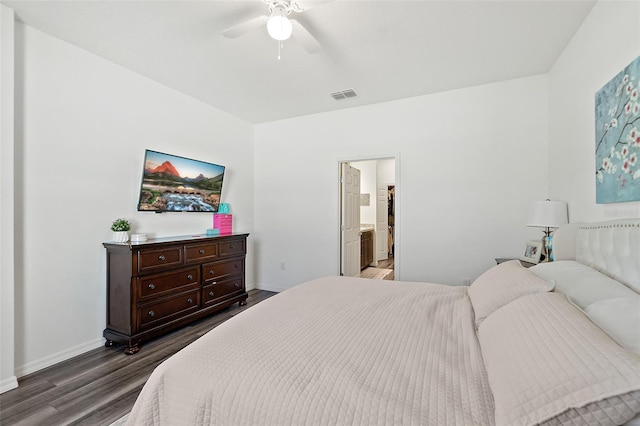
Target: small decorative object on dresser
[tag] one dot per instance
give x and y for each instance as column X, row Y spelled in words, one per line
column 223, row 223
column 532, row 251
column 120, row 228
column 161, row 284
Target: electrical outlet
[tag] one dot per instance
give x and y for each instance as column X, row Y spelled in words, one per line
column 282, row 266
column 466, row 281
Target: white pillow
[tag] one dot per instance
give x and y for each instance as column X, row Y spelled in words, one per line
column 583, row 284
column 620, row 319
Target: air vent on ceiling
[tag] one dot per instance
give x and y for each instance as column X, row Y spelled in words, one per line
column 343, row 94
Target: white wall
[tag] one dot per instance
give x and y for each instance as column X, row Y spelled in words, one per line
column 470, row 162
column 607, row 41
column 386, row 171
column 7, row 332
column 82, row 125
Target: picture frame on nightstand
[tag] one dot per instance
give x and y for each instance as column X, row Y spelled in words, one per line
column 532, row 251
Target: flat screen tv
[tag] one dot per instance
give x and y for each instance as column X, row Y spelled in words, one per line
column 176, row 184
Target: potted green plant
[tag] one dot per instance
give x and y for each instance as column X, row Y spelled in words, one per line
column 120, row 228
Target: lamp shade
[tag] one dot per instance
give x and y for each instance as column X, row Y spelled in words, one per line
column 548, row 214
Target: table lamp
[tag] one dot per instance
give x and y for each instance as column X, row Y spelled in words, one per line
column 547, row 214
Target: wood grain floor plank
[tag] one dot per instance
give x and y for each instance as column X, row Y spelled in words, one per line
column 28, row 389
column 100, row 386
column 110, row 412
column 40, row 417
column 78, row 367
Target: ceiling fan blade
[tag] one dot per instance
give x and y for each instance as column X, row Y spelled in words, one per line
column 245, row 27
column 302, row 5
column 304, row 37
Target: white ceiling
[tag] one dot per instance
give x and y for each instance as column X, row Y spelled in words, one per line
column 384, row 50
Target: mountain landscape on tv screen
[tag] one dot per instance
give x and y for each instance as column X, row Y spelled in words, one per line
column 163, row 189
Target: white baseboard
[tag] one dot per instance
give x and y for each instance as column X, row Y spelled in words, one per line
column 48, row 361
column 269, row 287
column 8, row 384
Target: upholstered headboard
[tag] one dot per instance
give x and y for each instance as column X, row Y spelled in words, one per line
column 612, row 247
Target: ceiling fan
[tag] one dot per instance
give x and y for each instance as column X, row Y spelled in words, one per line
column 279, row 26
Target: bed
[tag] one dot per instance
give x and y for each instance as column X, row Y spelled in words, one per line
column 518, row 347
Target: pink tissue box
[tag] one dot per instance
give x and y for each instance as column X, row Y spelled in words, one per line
column 223, row 222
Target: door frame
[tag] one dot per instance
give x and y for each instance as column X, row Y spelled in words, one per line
column 397, row 241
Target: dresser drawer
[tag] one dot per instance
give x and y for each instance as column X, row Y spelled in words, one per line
column 152, row 314
column 149, row 260
column 160, row 284
column 233, row 247
column 215, row 271
column 201, row 252
column 220, row 290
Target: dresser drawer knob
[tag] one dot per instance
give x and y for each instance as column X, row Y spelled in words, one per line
column 237, row 285
column 211, row 272
column 152, row 314
column 161, row 257
column 214, row 283
column 189, row 300
column 201, row 251
column 231, row 246
column 237, row 265
column 210, row 294
column 152, row 287
column 189, row 277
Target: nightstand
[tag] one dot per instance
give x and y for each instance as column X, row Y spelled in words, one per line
column 499, row 260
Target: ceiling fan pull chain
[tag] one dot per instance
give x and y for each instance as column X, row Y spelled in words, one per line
column 279, row 47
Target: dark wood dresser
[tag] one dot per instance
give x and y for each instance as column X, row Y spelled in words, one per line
column 162, row 284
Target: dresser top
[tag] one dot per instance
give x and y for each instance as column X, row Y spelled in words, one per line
column 174, row 239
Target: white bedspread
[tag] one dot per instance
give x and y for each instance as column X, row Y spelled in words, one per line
column 331, row 351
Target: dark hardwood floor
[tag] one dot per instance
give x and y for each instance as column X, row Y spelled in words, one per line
column 100, row 386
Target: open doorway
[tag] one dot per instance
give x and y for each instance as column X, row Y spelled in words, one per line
column 369, row 220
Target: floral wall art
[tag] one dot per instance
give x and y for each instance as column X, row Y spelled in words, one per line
column 618, row 137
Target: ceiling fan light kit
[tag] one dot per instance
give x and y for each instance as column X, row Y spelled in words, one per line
column 279, row 26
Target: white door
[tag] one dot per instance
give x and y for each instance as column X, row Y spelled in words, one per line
column 350, row 221
column 382, row 223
